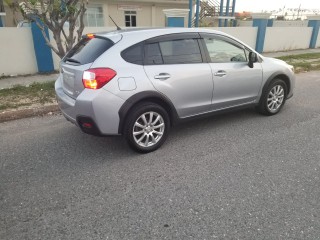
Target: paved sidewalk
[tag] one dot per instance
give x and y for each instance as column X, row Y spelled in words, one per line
column 26, row 80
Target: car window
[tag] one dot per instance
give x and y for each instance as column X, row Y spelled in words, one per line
column 134, row 54
column 180, row 51
column 221, row 51
column 153, row 54
column 88, row 50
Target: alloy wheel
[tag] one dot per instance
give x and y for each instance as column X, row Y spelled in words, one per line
column 275, row 98
column 148, row 129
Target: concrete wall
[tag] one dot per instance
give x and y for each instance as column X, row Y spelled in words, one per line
column 285, row 39
column 143, row 15
column 290, row 24
column 247, row 35
column 318, row 41
column 9, row 19
column 16, row 52
column 244, row 23
column 276, row 23
column 110, row 7
column 148, row 14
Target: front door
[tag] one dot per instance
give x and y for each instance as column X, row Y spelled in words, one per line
column 235, row 83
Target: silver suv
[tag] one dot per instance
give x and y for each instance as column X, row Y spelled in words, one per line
column 138, row 83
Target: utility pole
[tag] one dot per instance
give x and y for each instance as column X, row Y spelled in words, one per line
column 299, row 11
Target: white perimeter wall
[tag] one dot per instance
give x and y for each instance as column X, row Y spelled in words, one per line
column 16, row 52
column 249, row 23
column 242, row 23
column 290, row 23
column 318, row 41
column 286, row 39
column 248, row 35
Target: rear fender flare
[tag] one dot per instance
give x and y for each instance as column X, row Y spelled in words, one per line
column 148, row 96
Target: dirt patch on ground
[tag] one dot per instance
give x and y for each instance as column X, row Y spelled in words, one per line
column 30, row 111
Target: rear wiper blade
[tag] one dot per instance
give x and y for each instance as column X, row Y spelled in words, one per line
column 72, row 60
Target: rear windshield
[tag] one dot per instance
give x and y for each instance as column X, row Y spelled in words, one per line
column 88, row 50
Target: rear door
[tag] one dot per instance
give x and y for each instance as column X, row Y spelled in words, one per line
column 235, row 83
column 175, row 66
column 79, row 59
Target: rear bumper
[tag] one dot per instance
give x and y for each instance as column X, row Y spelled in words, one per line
column 66, row 103
column 100, row 106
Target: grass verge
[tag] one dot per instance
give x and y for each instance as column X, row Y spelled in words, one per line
column 23, row 96
column 303, row 62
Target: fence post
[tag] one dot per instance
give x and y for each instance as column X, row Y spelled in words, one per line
column 226, row 22
column 42, row 51
column 260, row 20
column 221, row 12
column 197, row 13
column 270, row 22
column 190, row 14
column 314, row 22
column 234, row 22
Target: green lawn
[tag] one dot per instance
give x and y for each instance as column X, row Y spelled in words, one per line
column 303, row 62
column 20, row 96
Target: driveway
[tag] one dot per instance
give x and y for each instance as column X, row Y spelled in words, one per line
column 234, row 176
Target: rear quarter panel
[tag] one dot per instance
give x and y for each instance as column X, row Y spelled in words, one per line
column 112, row 59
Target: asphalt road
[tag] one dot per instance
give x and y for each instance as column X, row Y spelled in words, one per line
column 236, row 176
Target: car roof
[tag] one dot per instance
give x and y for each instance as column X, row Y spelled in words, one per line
column 157, row 31
column 135, row 35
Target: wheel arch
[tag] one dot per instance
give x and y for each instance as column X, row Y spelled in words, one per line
column 277, row 75
column 147, row 96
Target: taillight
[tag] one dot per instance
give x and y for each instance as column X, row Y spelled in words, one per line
column 96, row 78
column 90, row 35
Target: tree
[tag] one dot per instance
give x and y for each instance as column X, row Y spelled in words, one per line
column 55, row 14
column 14, row 7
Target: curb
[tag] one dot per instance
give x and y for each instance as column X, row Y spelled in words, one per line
column 29, row 112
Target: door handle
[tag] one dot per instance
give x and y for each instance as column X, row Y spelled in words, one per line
column 162, row 76
column 220, row 73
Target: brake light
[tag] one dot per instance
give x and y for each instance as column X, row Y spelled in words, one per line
column 90, row 35
column 96, row 78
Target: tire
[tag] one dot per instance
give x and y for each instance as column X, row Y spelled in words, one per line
column 147, row 127
column 273, row 98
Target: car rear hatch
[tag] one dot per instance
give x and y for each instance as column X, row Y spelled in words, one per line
column 79, row 59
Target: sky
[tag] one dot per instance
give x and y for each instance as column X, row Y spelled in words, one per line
column 268, row 5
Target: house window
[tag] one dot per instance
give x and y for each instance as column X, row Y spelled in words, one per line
column 130, row 18
column 93, row 17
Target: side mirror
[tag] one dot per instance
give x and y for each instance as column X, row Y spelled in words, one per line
column 252, row 59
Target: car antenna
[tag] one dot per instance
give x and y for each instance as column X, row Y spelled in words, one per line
column 118, row 28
